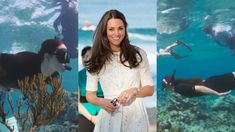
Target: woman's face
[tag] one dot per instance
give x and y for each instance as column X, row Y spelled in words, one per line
column 166, row 85
column 115, row 33
column 54, row 62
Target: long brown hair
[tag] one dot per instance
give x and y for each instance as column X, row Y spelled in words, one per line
column 101, row 50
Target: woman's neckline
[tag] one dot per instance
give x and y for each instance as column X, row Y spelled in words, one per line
column 116, row 52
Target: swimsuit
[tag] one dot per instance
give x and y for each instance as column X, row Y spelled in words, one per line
column 14, row 67
column 187, row 90
column 219, row 83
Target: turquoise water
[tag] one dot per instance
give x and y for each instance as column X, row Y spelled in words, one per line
column 206, row 59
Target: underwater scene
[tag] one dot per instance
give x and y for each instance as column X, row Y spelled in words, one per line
column 195, row 41
column 24, row 25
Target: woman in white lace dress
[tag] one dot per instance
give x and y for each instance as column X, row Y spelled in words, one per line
column 123, row 72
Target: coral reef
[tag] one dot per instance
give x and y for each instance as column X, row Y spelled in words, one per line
column 3, row 116
column 179, row 114
column 44, row 103
column 43, row 99
column 67, row 120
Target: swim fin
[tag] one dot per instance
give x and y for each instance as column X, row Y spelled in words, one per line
column 177, row 56
column 185, row 45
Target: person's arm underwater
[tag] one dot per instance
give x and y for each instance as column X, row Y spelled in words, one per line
column 206, row 90
column 56, row 24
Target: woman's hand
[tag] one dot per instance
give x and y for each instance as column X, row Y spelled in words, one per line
column 127, row 95
column 107, row 105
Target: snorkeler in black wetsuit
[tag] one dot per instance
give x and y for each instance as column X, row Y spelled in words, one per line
column 15, row 67
column 223, row 34
column 219, row 85
column 68, row 20
column 51, row 59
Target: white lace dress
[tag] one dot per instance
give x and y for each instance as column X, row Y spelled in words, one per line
column 115, row 78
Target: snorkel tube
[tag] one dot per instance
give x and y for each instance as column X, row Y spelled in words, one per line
column 169, row 81
column 172, row 80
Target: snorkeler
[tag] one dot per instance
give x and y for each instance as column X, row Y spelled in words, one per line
column 222, row 34
column 52, row 59
column 219, row 85
column 68, row 20
column 168, row 51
